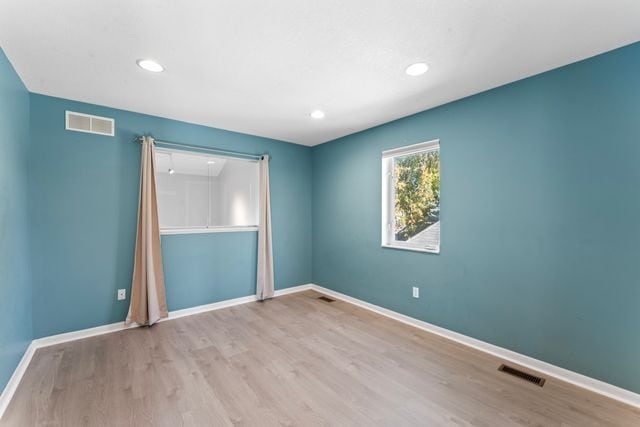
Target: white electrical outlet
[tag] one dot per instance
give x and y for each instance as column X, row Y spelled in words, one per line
column 122, row 294
column 416, row 292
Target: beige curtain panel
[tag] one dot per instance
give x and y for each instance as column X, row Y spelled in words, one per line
column 264, row 284
column 148, row 300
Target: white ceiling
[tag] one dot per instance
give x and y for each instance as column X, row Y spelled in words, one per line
column 261, row 67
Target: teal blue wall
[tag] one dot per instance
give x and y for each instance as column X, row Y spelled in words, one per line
column 15, row 288
column 188, row 258
column 540, row 208
column 84, row 194
column 540, row 218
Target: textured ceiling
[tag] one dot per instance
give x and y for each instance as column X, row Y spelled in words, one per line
column 261, row 67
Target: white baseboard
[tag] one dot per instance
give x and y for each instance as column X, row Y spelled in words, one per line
column 566, row 375
column 231, row 302
column 176, row 314
column 294, row 289
column 13, row 383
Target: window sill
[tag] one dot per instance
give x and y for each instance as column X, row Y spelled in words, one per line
column 170, row 231
column 407, row 248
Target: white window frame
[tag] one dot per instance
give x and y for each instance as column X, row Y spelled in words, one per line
column 207, row 229
column 388, row 194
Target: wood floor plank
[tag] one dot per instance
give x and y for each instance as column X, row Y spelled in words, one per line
column 293, row 360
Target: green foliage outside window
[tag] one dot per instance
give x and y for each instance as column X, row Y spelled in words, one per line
column 417, row 193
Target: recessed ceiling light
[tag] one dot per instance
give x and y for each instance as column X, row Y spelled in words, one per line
column 211, row 162
column 171, row 171
column 150, row 65
column 417, row 69
column 317, row 114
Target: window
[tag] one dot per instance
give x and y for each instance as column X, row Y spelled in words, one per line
column 205, row 193
column 411, row 197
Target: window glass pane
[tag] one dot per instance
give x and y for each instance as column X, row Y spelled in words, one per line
column 416, row 200
column 198, row 190
column 234, row 194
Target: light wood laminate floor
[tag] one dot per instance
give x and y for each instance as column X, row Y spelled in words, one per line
column 294, row 360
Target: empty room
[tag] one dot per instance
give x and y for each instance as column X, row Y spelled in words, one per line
column 336, row 213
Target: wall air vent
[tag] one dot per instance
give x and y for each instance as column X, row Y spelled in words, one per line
column 80, row 122
column 522, row 375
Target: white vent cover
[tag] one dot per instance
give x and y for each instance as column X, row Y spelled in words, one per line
column 91, row 124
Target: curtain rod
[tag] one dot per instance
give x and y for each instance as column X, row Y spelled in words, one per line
column 211, row 149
